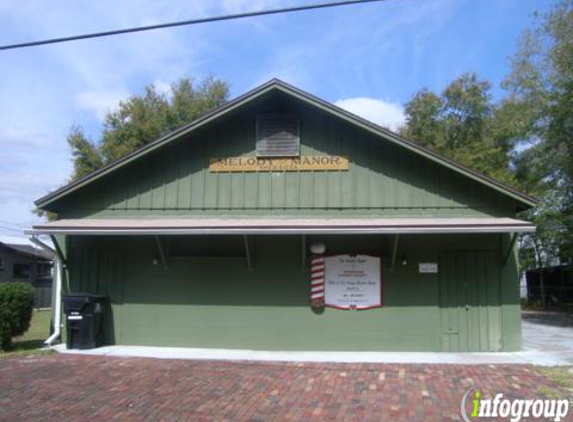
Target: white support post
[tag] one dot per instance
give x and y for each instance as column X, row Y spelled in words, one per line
column 161, row 253
column 247, row 252
column 394, row 251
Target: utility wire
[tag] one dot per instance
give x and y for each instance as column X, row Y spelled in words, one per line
column 187, row 22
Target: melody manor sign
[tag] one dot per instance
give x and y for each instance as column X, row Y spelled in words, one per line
column 303, row 163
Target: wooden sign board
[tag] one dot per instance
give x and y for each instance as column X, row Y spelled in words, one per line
column 304, row 163
column 352, row 282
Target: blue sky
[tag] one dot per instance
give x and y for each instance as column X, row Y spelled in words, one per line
column 368, row 58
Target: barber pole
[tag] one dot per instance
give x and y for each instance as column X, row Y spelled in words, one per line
column 317, row 281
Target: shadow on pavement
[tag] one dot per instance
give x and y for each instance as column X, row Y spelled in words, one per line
column 556, row 319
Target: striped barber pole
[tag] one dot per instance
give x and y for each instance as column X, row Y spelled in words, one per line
column 317, row 281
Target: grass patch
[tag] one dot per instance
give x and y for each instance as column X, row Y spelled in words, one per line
column 560, row 375
column 24, row 352
column 32, row 340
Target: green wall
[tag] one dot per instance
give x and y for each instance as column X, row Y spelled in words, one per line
column 383, row 178
column 207, row 301
column 207, row 297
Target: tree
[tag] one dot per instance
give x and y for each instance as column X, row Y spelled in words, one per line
column 462, row 123
column 138, row 120
column 142, row 118
column 540, row 86
column 542, row 248
column 86, row 155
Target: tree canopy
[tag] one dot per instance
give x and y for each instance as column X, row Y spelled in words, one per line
column 540, row 86
column 142, row 118
column 463, row 123
column 526, row 139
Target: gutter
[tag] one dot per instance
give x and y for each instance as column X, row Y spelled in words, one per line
column 58, row 278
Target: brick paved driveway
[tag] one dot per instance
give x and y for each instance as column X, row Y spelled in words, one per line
column 95, row 388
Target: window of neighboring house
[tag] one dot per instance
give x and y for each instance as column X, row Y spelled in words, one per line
column 21, row 271
column 44, row 269
column 278, row 135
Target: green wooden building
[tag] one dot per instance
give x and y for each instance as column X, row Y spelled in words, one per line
column 202, row 238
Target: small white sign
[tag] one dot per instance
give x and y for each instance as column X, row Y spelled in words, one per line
column 352, row 282
column 428, row 267
column 75, row 317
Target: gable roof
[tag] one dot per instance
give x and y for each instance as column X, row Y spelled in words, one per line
column 28, row 251
column 276, row 84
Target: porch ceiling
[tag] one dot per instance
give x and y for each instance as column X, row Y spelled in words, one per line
column 245, row 225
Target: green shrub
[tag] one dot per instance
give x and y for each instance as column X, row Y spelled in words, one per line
column 16, row 306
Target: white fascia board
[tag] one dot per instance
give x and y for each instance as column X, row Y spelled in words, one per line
column 285, row 230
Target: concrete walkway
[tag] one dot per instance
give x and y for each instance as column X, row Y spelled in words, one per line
column 547, row 341
column 549, row 333
column 523, row 357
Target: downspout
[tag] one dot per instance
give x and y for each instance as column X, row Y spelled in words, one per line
column 58, row 305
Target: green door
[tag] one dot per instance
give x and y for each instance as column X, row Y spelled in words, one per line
column 469, row 302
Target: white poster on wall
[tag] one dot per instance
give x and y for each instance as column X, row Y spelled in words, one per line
column 352, row 282
column 428, row 267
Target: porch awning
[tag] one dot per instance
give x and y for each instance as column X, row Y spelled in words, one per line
column 254, row 225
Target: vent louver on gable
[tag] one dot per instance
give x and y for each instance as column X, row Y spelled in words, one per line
column 277, row 135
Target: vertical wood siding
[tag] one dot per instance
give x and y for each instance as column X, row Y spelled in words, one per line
column 382, row 177
column 202, row 300
column 470, row 302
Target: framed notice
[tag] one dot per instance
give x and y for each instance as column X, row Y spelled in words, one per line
column 428, row 267
column 352, row 282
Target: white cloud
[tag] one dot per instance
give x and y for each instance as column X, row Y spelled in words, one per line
column 19, row 138
column 381, row 112
column 31, row 166
column 47, row 89
column 162, row 87
column 100, row 102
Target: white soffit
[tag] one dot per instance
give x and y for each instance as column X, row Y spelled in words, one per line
column 253, row 225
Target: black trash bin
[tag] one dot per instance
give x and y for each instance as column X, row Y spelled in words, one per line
column 84, row 317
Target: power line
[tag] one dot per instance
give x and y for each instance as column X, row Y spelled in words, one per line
column 186, row 22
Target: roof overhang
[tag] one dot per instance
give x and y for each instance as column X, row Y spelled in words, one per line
column 227, row 226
